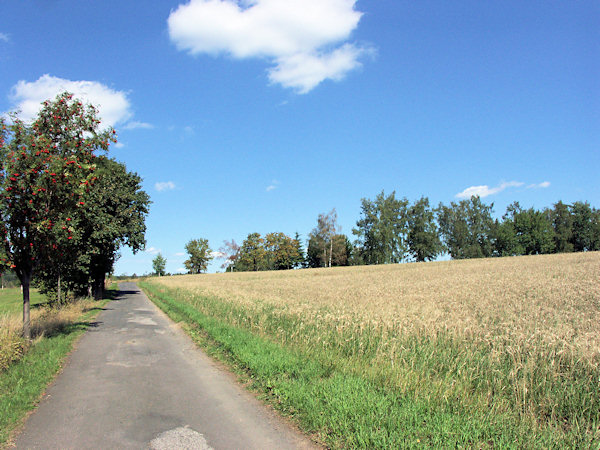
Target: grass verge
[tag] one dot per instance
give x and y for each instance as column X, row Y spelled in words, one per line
column 347, row 401
column 25, row 377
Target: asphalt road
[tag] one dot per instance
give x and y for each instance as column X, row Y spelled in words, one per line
column 136, row 381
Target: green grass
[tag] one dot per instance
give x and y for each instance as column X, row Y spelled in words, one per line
column 22, row 384
column 11, row 300
column 341, row 395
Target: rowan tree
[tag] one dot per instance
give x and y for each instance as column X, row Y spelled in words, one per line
column 113, row 216
column 46, row 170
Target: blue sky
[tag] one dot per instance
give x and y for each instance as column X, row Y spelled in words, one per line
column 258, row 115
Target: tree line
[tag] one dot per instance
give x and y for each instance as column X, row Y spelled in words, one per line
column 65, row 207
column 394, row 230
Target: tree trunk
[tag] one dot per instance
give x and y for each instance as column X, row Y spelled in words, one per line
column 26, row 317
column 99, row 287
column 330, row 252
column 58, row 290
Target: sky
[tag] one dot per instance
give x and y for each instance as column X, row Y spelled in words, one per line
column 258, row 115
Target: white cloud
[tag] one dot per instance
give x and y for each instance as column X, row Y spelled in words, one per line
column 303, row 39
column 543, row 184
column 119, row 145
column 484, row 190
column 114, row 107
column 4, row 37
column 152, row 251
column 216, row 254
column 164, row 186
column 274, row 185
column 136, row 125
column 306, row 71
column 181, row 270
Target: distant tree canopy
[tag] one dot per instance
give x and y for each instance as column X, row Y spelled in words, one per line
column 469, row 232
column 200, row 255
column 524, row 232
column 392, row 230
column 276, row 251
column 382, row 229
column 333, row 253
column 585, row 234
column 229, row 253
column 159, row 264
column 326, row 246
column 466, row 228
column 423, row 237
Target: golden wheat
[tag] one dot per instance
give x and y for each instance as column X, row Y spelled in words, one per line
column 552, row 298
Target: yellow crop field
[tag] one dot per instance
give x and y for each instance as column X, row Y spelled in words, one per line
column 554, row 298
column 518, row 337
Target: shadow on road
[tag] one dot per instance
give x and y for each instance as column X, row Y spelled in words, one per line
column 119, row 294
column 57, row 328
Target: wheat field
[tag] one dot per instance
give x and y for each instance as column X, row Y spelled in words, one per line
column 553, row 298
column 517, row 336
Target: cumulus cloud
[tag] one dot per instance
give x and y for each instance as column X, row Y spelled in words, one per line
column 152, row 251
column 305, row 40
column 543, row 184
column 217, row 255
column 164, row 186
column 484, row 190
column 4, row 37
column 114, row 107
column 181, row 270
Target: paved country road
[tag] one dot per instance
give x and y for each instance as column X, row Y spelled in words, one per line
column 136, row 381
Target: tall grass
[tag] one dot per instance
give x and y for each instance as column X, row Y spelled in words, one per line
column 514, row 341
